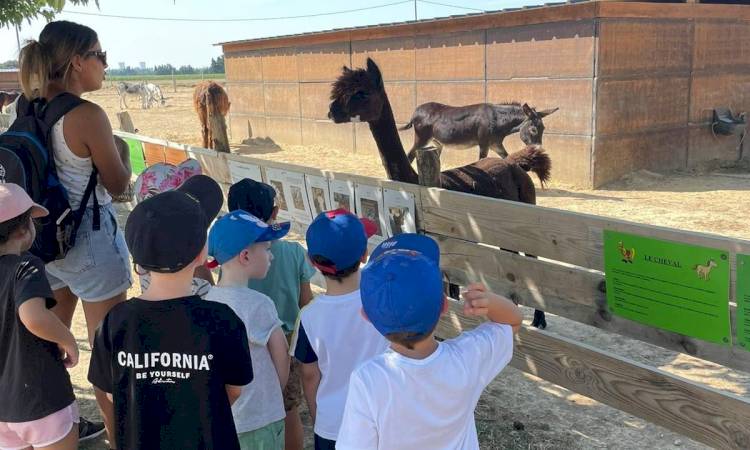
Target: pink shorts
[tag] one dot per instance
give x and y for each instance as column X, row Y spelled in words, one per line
column 41, row 432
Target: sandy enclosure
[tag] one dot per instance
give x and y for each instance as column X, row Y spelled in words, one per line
column 519, row 411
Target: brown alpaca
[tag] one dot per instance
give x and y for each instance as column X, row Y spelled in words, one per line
column 212, row 104
column 360, row 94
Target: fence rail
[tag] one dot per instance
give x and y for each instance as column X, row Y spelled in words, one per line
column 476, row 236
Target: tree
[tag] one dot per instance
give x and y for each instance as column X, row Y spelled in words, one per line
column 14, row 12
column 217, row 65
column 9, row 64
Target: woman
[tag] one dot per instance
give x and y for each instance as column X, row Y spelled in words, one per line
column 69, row 58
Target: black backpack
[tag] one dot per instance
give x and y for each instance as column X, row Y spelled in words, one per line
column 26, row 159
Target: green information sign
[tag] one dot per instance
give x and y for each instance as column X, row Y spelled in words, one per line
column 137, row 160
column 743, row 301
column 677, row 287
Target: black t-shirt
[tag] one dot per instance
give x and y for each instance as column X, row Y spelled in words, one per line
column 33, row 380
column 166, row 364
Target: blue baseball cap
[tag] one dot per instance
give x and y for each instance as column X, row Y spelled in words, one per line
column 402, row 286
column 238, row 230
column 340, row 237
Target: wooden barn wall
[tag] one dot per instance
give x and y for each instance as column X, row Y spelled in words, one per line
column 284, row 93
column 657, row 82
column 9, row 81
column 633, row 91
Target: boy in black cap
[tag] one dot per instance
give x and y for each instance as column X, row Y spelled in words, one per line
column 287, row 283
column 172, row 363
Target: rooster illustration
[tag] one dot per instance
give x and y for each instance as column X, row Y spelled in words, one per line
column 628, row 254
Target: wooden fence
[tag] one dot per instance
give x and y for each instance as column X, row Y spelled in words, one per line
column 566, row 280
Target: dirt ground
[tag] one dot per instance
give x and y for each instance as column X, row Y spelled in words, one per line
column 519, row 411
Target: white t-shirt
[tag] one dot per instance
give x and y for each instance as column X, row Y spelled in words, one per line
column 396, row 402
column 261, row 402
column 332, row 332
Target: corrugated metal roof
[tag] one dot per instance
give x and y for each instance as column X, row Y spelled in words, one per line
column 364, row 27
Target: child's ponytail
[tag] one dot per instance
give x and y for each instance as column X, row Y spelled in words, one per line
column 35, row 69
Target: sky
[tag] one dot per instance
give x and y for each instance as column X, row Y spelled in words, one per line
column 132, row 41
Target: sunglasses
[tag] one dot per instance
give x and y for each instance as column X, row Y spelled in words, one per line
column 102, row 56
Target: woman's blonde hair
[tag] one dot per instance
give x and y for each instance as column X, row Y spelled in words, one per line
column 50, row 57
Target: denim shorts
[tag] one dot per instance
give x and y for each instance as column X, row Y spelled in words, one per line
column 98, row 267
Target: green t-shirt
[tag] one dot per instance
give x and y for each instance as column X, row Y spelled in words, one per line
column 289, row 268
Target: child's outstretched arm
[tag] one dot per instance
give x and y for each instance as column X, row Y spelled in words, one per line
column 478, row 301
column 44, row 324
column 279, row 350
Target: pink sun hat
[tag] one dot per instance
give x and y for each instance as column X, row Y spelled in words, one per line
column 163, row 177
column 14, row 201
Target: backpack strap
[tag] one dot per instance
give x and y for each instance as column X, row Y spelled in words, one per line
column 90, row 187
column 50, row 114
column 58, row 107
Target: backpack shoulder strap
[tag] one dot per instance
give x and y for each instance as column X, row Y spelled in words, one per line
column 24, row 107
column 59, row 106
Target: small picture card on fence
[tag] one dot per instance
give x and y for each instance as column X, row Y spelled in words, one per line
column 342, row 195
column 277, row 179
column 370, row 206
column 299, row 206
column 677, row 287
column 318, row 194
column 239, row 170
column 399, row 211
column 213, row 164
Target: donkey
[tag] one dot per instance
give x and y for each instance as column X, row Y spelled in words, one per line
column 135, row 89
column 483, row 124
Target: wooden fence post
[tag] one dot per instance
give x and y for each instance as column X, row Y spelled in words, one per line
column 218, row 126
column 126, row 123
column 428, row 166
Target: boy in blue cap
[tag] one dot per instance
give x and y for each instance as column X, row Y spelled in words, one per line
column 287, row 284
column 422, row 393
column 332, row 337
column 240, row 243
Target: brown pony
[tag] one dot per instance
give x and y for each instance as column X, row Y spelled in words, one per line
column 6, row 98
column 210, row 101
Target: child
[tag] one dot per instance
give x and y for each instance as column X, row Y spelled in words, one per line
column 239, row 242
column 287, row 284
column 422, row 393
column 333, row 338
column 171, row 362
column 37, row 405
column 162, row 177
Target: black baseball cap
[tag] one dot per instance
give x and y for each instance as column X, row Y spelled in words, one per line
column 166, row 232
column 252, row 196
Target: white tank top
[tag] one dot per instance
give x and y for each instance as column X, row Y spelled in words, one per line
column 74, row 171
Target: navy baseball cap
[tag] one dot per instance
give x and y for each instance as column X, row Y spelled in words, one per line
column 402, row 286
column 340, row 237
column 165, row 233
column 238, row 230
column 252, row 196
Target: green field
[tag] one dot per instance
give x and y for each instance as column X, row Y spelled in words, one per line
column 190, row 76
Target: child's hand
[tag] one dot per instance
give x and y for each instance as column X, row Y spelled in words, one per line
column 69, row 351
column 476, row 300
